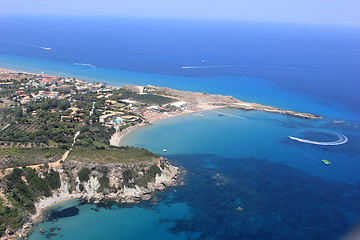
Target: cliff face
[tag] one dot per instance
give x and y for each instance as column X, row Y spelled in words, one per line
column 125, row 183
column 119, row 182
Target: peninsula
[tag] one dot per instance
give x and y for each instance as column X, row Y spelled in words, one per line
column 200, row 99
column 60, row 137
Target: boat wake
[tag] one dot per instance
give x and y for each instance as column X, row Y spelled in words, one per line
column 26, row 44
column 341, row 140
column 45, row 48
column 84, row 64
column 214, row 66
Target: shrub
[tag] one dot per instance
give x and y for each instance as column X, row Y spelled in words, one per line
column 53, row 179
column 128, row 174
column 149, row 176
column 83, row 174
column 104, row 183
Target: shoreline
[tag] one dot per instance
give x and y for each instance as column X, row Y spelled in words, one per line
column 221, row 100
column 196, row 102
column 18, row 70
column 167, row 178
column 117, row 137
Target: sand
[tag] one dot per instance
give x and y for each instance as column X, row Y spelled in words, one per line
column 152, row 117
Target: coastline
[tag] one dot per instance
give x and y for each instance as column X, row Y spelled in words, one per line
column 118, row 136
column 168, row 177
column 229, row 100
column 19, row 69
column 194, row 102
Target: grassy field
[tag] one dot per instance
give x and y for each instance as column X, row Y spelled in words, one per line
column 125, row 155
column 18, row 157
column 153, row 99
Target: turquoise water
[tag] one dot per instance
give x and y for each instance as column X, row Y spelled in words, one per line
column 284, row 189
column 248, row 89
column 135, row 222
column 261, row 135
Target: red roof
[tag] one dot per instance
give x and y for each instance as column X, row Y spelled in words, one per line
column 19, row 92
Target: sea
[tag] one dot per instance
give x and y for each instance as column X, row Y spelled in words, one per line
column 245, row 178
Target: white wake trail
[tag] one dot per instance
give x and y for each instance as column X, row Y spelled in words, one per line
column 214, row 66
column 27, row 44
column 35, row 46
column 84, row 64
column 342, row 139
column 45, row 48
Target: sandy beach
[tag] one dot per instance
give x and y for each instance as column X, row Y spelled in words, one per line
column 152, row 117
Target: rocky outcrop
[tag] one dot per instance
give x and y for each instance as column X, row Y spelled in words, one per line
column 259, row 107
column 115, row 181
column 123, row 183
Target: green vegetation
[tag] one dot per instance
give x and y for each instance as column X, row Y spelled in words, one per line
column 15, row 157
column 25, row 187
column 53, row 179
column 149, row 176
column 46, row 126
column 124, row 155
column 163, row 166
column 84, row 101
column 153, row 99
column 149, row 98
column 38, row 122
column 10, row 217
column 48, row 104
column 104, row 183
column 94, row 136
column 84, row 174
column 128, row 174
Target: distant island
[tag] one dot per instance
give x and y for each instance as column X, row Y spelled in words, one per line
column 60, row 139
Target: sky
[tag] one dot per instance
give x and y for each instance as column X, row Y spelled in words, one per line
column 330, row 12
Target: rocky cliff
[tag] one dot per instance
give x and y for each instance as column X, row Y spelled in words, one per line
column 94, row 182
column 115, row 181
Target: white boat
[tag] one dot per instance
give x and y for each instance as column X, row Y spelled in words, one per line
column 164, row 150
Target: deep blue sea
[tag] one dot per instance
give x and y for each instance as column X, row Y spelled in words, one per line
column 283, row 188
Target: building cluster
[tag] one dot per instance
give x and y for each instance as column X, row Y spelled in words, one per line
column 76, row 115
column 117, row 118
column 115, row 111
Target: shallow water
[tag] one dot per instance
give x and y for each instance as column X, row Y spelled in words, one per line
column 282, row 187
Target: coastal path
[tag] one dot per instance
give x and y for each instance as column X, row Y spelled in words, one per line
column 53, row 165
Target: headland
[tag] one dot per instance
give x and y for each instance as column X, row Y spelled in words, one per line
column 59, row 140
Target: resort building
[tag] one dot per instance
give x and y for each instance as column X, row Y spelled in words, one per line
column 109, row 116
